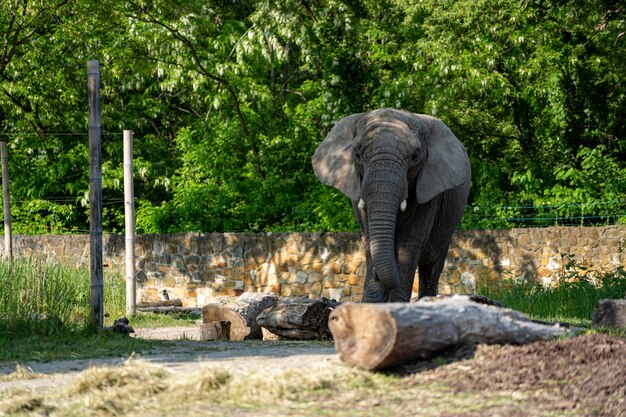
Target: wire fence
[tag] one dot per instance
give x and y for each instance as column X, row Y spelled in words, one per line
column 587, row 213
column 54, row 212
column 484, row 218
column 591, row 213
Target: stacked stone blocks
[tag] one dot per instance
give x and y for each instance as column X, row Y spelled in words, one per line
column 195, row 267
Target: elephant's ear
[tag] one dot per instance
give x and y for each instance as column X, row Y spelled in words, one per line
column 332, row 161
column 447, row 164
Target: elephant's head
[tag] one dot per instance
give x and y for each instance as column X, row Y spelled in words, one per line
column 374, row 157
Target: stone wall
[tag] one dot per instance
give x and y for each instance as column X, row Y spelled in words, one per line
column 196, row 267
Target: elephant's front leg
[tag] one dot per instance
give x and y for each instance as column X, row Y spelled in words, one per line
column 429, row 276
column 407, row 253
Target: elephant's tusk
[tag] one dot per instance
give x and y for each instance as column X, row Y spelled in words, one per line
column 361, row 204
column 403, row 205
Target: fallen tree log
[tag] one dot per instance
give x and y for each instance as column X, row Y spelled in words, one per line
column 177, row 302
column 170, row 309
column 241, row 312
column 216, row 330
column 165, row 306
column 378, row 336
column 477, row 298
column 609, row 313
column 297, row 318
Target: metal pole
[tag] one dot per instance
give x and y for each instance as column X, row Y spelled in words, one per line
column 8, row 235
column 129, row 216
column 95, row 194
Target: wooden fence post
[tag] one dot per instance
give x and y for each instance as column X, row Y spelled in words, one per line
column 129, row 216
column 95, row 195
column 8, row 235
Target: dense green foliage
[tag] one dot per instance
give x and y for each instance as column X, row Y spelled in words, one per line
column 228, row 100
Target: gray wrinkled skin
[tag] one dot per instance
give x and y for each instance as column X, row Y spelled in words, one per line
column 381, row 159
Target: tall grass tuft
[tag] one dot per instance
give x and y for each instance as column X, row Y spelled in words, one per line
column 42, row 298
column 573, row 299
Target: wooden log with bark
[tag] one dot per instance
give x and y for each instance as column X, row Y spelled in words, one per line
column 378, row 336
column 169, row 309
column 216, row 330
column 176, row 302
column 477, row 298
column 297, row 318
column 166, row 306
column 609, row 313
column 241, row 312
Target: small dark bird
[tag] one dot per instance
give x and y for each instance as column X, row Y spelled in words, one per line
column 166, row 296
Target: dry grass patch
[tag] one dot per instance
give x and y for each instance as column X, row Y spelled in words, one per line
column 139, row 388
column 21, row 373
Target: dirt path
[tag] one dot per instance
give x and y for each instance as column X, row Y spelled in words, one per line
column 582, row 376
column 185, row 357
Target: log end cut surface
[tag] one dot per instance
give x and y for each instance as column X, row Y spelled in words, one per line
column 364, row 334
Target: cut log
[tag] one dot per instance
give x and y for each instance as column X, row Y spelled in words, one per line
column 297, row 318
column 269, row 336
column 216, row 313
column 216, row 330
column 169, row 309
column 477, row 298
column 241, row 312
column 166, row 306
column 609, row 313
column 378, row 336
column 177, row 302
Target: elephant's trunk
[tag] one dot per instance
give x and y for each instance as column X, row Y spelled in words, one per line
column 383, row 194
column 383, row 254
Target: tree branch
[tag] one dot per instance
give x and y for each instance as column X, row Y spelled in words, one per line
column 308, row 10
column 204, row 71
column 17, row 39
column 201, row 68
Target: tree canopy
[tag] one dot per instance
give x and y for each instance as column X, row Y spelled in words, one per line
column 229, row 99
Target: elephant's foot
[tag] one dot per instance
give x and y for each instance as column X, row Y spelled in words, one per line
column 429, row 292
column 399, row 296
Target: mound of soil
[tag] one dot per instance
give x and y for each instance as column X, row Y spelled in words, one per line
column 585, row 374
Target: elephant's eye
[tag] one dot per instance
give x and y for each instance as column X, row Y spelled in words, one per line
column 415, row 156
column 357, row 156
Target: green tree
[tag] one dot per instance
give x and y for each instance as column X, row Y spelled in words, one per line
column 228, row 101
column 526, row 86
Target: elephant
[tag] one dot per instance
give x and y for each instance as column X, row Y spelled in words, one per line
column 408, row 177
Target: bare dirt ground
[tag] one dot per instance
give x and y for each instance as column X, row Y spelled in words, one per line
column 185, row 357
column 583, row 376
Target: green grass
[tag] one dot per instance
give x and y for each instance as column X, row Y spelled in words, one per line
column 44, row 309
column 42, row 298
column 44, row 314
column 571, row 301
column 164, row 320
column 79, row 345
